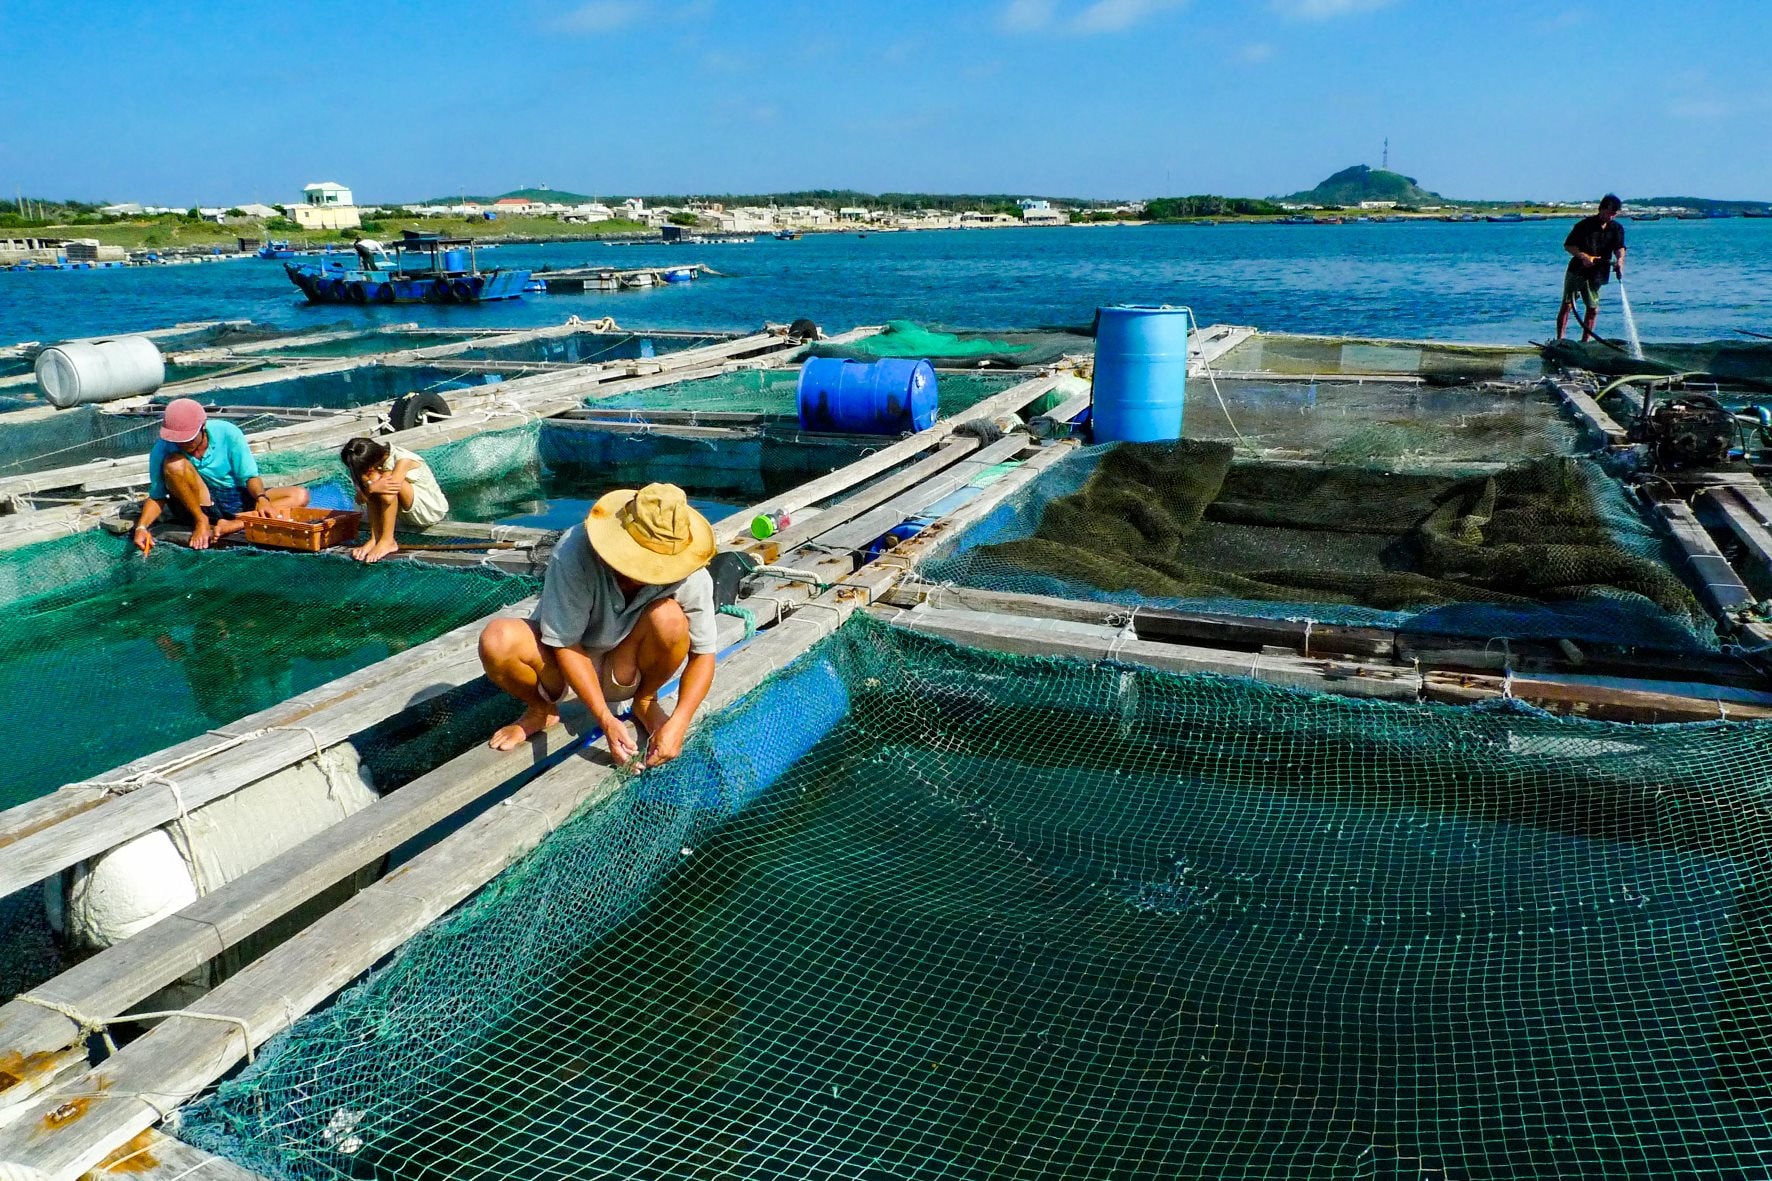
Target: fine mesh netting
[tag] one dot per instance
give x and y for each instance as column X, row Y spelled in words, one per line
column 1381, row 424
column 1736, row 362
column 547, row 474
column 590, row 347
column 1328, row 355
column 366, row 344
column 962, row 348
column 362, row 386
column 1545, row 548
column 83, row 434
column 915, row 911
column 775, row 391
column 135, row 654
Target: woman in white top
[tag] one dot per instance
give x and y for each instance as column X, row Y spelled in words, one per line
column 395, row 486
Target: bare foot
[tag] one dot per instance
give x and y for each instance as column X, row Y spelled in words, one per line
column 228, row 527
column 360, row 551
column 535, row 719
column 378, row 550
column 649, row 715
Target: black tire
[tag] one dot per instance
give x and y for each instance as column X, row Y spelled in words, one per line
column 803, row 330
column 410, row 410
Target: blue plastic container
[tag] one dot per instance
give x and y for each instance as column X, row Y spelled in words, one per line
column 890, row 397
column 1140, row 374
column 455, row 260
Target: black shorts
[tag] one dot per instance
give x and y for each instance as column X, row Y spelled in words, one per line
column 224, row 505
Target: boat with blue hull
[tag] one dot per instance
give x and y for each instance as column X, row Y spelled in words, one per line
column 422, row 268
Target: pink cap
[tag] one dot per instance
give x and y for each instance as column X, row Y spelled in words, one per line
column 184, row 420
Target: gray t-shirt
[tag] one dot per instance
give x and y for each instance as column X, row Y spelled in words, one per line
column 581, row 603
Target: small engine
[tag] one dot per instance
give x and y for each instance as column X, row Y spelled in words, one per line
column 1691, row 431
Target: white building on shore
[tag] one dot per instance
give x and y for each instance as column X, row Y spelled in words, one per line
column 326, row 205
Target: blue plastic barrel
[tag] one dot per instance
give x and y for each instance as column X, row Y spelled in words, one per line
column 455, row 260
column 890, row 397
column 1140, row 373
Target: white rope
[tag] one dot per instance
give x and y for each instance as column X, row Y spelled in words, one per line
column 101, row 1025
column 1126, row 633
column 1307, row 637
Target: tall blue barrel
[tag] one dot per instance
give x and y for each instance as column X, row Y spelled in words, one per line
column 455, row 260
column 1140, row 373
column 890, row 397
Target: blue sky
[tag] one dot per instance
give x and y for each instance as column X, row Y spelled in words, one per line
column 223, row 103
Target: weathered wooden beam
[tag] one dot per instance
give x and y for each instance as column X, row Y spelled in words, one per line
column 1243, row 633
column 1008, row 402
column 876, row 522
column 1589, row 411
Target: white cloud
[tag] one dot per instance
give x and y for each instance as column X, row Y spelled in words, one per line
column 1256, row 52
column 1318, row 10
column 1113, row 16
column 1700, row 108
column 601, row 16
column 1027, row 16
column 1097, row 16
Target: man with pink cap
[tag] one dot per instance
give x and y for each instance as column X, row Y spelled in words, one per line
column 204, row 475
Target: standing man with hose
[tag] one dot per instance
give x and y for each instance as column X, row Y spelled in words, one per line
column 1596, row 249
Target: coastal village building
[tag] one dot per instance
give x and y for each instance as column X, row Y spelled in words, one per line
column 326, row 205
column 1041, row 213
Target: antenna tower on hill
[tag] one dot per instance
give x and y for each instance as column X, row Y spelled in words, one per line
column 1387, row 154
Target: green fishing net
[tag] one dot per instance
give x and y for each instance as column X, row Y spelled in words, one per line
column 916, row 911
column 84, row 434
column 961, row 348
column 135, row 654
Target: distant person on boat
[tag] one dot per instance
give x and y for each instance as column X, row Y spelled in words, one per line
column 397, row 487
column 369, row 253
column 203, row 474
column 1596, row 249
column 626, row 604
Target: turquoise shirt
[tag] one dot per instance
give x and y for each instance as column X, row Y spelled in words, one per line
column 226, row 464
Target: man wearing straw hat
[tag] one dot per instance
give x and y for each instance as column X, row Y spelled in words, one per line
column 626, row 604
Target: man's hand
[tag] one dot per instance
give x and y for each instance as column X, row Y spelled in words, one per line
column 621, row 744
column 1618, row 268
column 264, row 506
column 1586, row 260
column 667, row 744
column 202, row 535
column 142, row 540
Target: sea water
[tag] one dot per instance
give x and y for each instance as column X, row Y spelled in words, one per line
column 1474, row 282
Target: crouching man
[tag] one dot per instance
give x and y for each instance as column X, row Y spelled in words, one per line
column 203, row 475
column 626, row 603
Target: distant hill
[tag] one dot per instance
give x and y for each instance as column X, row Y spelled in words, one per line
column 1360, row 183
column 560, row 195
column 1701, row 204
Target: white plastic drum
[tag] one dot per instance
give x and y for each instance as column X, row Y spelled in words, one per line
column 82, row 372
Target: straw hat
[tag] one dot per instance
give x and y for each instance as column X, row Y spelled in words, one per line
column 651, row 535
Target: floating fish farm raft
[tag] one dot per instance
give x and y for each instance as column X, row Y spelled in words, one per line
column 1370, row 783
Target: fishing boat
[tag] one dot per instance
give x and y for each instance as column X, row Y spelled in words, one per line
column 1298, row 219
column 787, row 235
column 277, row 248
column 1756, row 213
column 422, row 268
column 1505, row 218
column 1645, row 217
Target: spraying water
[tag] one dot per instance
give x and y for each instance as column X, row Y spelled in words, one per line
column 1630, row 324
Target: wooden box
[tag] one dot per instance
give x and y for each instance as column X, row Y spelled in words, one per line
column 308, row 529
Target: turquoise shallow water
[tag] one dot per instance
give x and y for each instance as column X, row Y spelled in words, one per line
column 1482, row 282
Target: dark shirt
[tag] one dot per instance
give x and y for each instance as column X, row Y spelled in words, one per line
column 1602, row 239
